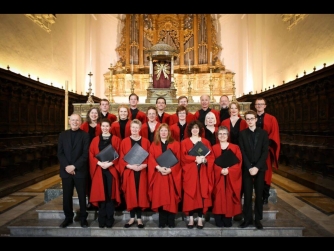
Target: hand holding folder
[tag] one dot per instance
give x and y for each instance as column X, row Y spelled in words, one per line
column 136, row 155
column 227, row 159
column 107, row 154
column 199, row 149
column 167, row 159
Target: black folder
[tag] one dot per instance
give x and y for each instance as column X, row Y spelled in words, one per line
column 136, row 155
column 227, row 159
column 167, row 159
column 199, row 149
column 107, row 154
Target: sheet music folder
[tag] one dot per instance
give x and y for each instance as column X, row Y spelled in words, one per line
column 136, row 155
column 107, row 154
column 227, row 159
column 167, row 159
column 199, row 149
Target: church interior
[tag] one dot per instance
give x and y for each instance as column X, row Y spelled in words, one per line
column 52, row 65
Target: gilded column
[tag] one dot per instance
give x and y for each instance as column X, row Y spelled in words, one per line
column 127, row 39
column 195, row 29
column 155, row 28
column 181, row 25
column 141, row 41
column 209, row 43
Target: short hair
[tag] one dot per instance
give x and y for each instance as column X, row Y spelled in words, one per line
column 105, row 120
column 156, row 101
column 260, row 99
column 152, row 108
column 136, row 121
column 123, row 106
column 182, row 97
column 221, row 128
column 224, row 96
column 181, row 108
column 98, row 115
column 192, row 124
column 133, row 94
column 250, row 112
column 104, row 99
column 214, row 116
column 157, row 138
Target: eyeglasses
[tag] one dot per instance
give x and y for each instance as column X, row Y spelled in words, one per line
column 249, row 119
column 260, row 104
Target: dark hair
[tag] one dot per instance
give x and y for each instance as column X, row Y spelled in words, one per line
column 157, row 138
column 260, row 99
column 104, row 99
column 192, row 124
column 250, row 112
column 133, row 94
column 156, row 101
column 182, row 97
column 105, row 120
column 181, row 108
column 152, row 108
column 98, row 113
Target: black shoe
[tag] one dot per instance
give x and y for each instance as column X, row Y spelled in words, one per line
column 237, row 217
column 84, row 223
column 265, row 201
column 162, row 225
column 245, row 224
column 127, row 225
column 258, row 224
column 140, row 225
column 90, row 207
column 199, row 227
column 190, row 226
column 101, row 225
column 66, row 222
column 171, row 226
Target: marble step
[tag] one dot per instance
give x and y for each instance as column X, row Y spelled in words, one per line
column 50, row 228
column 54, row 210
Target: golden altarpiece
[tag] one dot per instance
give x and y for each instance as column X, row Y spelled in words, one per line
column 168, row 55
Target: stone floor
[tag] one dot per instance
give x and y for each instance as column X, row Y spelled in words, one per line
column 297, row 204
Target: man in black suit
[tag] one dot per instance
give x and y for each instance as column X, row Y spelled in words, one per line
column 254, row 145
column 73, row 146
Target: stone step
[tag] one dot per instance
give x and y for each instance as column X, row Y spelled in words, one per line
column 54, row 210
column 50, row 228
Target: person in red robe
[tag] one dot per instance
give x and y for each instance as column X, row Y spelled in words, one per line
column 197, row 176
column 93, row 127
column 135, row 113
column 182, row 100
column 235, row 124
column 179, row 130
column 268, row 123
column 104, row 108
column 121, row 128
column 205, row 103
column 164, row 182
column 134, row 176
column 162, row 116
column 148, row 128
column 105, row 189
column 226, row 192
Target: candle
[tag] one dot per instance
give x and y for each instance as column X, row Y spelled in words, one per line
column 189, row 64
column 66, row 85
column 210, row 57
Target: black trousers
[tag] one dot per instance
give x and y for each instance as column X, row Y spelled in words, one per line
column 251, row 183
column 106, row 208
column 166, row 217
column 68, row 185
column 222, row 221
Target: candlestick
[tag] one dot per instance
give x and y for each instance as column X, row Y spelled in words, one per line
column 66, row 85
column 132, row 65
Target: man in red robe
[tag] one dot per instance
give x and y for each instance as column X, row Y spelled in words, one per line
column 268, row 123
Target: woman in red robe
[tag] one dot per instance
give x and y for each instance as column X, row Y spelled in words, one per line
column 227, row 182
column 164, row 182
column 134, row 176
column 148, row 128
column 105, row 190
column 197, row 176
column 121, row 128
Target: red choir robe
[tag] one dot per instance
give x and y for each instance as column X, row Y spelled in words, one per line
column 140, row 115
column 128, row 179
column 227, row 123
column 174, row 118
column 164, row 190
column 227, row 188
column 175, row 132
column 97, row 189
column 111, row 117
column 144, row 129
column 215, row 112
column 270, row 125
column 197, row 186
column 115, row 129
column 85, row 127
column 165, row 118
